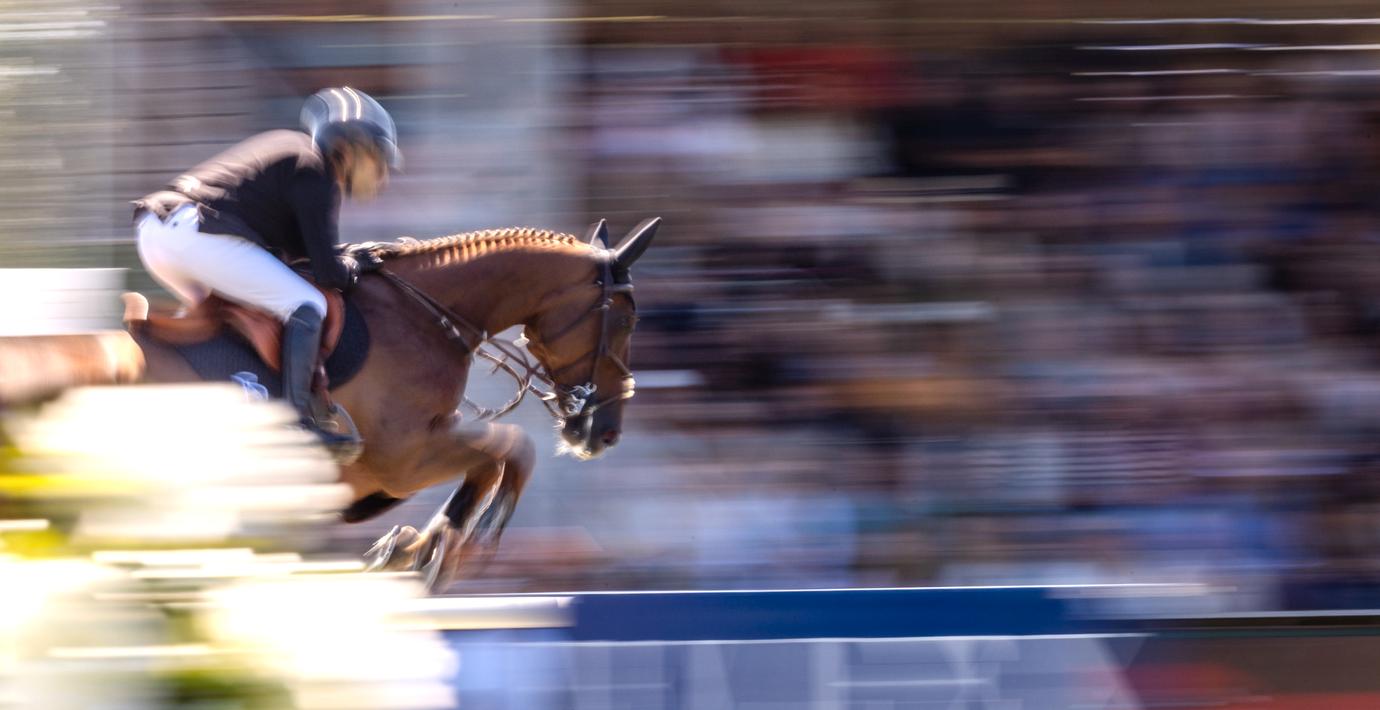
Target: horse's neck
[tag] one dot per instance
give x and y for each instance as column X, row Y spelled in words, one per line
column 494, row 291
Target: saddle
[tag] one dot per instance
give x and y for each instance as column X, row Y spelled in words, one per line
column 260, row 329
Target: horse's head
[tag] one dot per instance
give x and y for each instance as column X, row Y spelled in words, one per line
column 582, row 336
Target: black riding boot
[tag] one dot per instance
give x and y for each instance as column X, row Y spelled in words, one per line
column 301, row 345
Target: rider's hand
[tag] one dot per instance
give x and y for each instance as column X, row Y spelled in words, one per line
column 369, row 260
column 351, row 267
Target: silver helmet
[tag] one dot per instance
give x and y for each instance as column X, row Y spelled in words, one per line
column 343, row 112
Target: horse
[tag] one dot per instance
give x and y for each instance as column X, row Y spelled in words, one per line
column 428, row 306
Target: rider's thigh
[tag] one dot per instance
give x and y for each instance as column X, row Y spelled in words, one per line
column 246, row 273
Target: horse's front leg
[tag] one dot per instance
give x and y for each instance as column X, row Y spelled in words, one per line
column 496, row 461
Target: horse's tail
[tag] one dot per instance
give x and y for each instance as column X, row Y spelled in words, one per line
column 37, row 367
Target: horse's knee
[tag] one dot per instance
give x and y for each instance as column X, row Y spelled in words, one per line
column 521, row 453
column 525, row 455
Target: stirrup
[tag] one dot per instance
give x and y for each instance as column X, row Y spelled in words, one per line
column 339, row 435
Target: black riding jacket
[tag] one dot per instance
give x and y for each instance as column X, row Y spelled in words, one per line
column 274, row 189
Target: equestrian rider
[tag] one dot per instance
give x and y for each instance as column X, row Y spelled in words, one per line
column 228, row 225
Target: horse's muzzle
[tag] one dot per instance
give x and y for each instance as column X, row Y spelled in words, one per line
column 579, row 439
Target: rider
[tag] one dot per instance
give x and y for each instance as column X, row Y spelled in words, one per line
column 228, row 225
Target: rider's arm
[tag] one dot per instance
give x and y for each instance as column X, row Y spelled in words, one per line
column 316, row 202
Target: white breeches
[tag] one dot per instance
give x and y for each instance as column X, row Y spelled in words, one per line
column 192, row 265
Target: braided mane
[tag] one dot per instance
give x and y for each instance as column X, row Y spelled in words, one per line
column 469, row 243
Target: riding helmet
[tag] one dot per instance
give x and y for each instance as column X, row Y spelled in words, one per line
column 343, row 112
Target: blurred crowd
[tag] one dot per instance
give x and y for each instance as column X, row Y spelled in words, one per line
column 1002, row 318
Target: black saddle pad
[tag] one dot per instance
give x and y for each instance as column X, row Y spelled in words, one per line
column 229, row 357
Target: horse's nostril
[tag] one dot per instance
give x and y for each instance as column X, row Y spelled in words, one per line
column 610, row 438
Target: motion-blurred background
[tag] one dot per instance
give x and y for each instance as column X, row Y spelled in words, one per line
column 948, row 293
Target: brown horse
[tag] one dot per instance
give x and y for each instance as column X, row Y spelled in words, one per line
column 428, row 306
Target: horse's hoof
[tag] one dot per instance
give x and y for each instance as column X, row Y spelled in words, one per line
column 444, row 561
column 432, row 561
column 393, row 552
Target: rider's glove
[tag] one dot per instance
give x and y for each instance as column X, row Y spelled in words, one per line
column 366, row 255
column 369, row 260
column 351, row 267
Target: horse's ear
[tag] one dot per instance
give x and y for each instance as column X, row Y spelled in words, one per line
column 598, row 234
column 636, row 242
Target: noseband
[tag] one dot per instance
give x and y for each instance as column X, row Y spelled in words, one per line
column 563, row 401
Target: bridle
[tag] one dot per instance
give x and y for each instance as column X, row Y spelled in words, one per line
column 565, row 402
column 574, row 401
